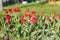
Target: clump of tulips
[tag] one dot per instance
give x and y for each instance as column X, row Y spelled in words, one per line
column 31, row 26
column 31, row 18
column 15, row 10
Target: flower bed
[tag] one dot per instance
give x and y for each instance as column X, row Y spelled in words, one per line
column 54, row 3
column 30, row 26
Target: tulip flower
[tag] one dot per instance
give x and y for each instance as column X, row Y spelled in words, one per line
column 18, row 10
column 6, row 11
column 29, row 15
column 26, row 15
column 59, row 16
column 48, row 18
column 35, row 16
column 9, row 22
column 10, row 10
column 22, row 16
column 23, row 21
column 53, row 11
column 15, row 10
column 8, row 17
column 54, row 19
column 33, row 20
column 33, row 12
column 42, row 12
column 27, row 10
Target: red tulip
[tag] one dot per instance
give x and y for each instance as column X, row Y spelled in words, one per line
column 23, row 21
column 26, row 15
column 22, row 16
column 18, row 10
column 48, row 18
column 10, row 10
column 53, row 11
column 15, row 10
column 54, row 18
column 59, row 16
column 35, row 16
column 29, row 16
column 8, row 17
column 42, row 12
column 33, row 12
column 27, row 10
column 6, row 11
column 9, row 22
column 33, row 20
